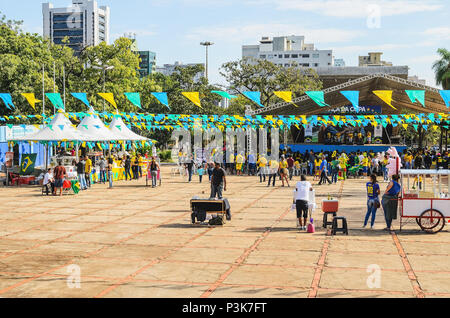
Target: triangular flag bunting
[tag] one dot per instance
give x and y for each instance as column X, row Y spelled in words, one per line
column 7, row 99
column 55, row 99
column 286, row 96
column 254, row 96
column 446, row 97
column 416, row 95
column 224, row 94
column 317, row 97
column 353, row 97
column 109, row 97
column 193, row 97
column 385, row 96
column 31, row 99
column 82, row 97
column 162, row 98
column 134, row 98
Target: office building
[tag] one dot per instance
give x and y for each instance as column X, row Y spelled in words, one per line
column 169, row 69
column 147, row 63
column 83, row 24
column 288, row 50
column 373, row 59
column 339, row 62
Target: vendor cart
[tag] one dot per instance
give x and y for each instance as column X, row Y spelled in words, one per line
column 425, row 198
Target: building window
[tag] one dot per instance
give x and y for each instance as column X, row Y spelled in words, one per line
column 305, row 55
column 315, row 56
column 270, row 56
column 316, row 64
column 287, row 65
column 329, row 54
column 305, row 64
column 329, row 63
column 263, row 56
column 286, row 56
column 294, row 56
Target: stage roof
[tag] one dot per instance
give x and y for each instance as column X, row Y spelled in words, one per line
column 365, row 85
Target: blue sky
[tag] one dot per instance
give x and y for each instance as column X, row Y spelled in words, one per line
column 407, row 31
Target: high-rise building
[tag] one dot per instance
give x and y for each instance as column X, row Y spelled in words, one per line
column 169, row 69
column 83, row 24
column 287, row 50
column 147, row 64
column 373, row 59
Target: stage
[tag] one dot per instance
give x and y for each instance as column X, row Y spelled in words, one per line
column 340, row 148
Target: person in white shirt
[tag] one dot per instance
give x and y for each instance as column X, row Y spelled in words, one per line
column 48, row 181
column 301, row 200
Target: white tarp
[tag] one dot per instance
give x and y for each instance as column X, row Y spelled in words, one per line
column 118, row 127
column 59, row 129
column 93, row 127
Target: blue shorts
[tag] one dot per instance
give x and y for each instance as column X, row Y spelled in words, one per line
column 59, row 183
column 365, row 169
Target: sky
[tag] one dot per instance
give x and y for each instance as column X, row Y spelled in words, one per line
column 408, row 32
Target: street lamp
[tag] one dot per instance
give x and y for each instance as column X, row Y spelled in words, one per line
column 206, row 45
column 104, row 68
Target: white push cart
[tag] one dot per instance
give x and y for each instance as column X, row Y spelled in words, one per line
column 425, row 198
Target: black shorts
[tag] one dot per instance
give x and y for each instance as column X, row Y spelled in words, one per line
column 302, row 206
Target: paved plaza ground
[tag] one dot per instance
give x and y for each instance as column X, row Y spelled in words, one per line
column 133, row 241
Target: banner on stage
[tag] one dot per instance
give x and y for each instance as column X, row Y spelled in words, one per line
column 378, row 134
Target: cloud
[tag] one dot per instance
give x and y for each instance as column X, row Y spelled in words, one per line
column 253, row 32
column 442, row 33
column 356, row 8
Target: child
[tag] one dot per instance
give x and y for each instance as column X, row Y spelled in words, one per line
column 417, row 180
column 201, row 171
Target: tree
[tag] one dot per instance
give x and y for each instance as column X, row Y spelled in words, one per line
column 442, row 68
column 251, row 74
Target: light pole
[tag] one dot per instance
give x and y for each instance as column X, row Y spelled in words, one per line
column 104, row 67
column 206, row 45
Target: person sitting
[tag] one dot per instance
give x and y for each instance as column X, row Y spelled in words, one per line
column 49, row 182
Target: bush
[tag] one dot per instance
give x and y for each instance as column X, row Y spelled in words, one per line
column 165, row 155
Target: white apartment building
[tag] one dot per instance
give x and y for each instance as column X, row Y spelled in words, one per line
column 84, row 23
column 339, row 62
column 285, row 50
column 169, row 69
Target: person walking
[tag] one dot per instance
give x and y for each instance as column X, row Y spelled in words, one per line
column 140, row 165
column 110, row 172
column 389, row 201
column 311, row 160
column 102, row 166
column 135, row 165
column 373, row 202
column 81, row 172
column 323, row 171
column 283, row 171
column 127, row 167
column 59, row 173
column 218, row 182
column 301, row 200
column 273, row 169
column 201, row 171
column 334, row 170
column 154, row 167
column 262, row 162
column 189, row 167
column 290, row 162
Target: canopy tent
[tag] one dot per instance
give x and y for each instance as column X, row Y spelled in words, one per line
column 59, row 129
column 118, row 127
column 95, row 130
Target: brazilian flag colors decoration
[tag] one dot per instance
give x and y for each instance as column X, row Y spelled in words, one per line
column 27, row 164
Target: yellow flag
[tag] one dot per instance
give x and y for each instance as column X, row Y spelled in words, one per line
column 405, row 126
column 385, row 96
column 31, row 99
column 109, row 97
column 286, row 96
column 193, row 97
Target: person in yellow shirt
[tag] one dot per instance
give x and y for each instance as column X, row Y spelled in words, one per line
column 283, row 170
column 342, row 167
column 317, row 163
column 297, row 167
column 417, row 181
column 140, row 165
column 88, row 170
column 231, row 163
column 262, row 162
column 239, row 164
column 365, row 164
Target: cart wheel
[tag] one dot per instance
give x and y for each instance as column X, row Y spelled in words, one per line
column 431, row 221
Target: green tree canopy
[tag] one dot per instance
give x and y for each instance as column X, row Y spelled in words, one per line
column 442, row 68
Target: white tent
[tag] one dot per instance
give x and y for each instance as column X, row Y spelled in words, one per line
column 59, row 129
column 118, row 127
column 93, row 127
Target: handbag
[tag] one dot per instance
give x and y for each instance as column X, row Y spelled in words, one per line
column 377, row 204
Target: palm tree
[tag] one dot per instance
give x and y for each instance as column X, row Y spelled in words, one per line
column 442, row 68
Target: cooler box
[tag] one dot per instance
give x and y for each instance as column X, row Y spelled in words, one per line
column 330, row 205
